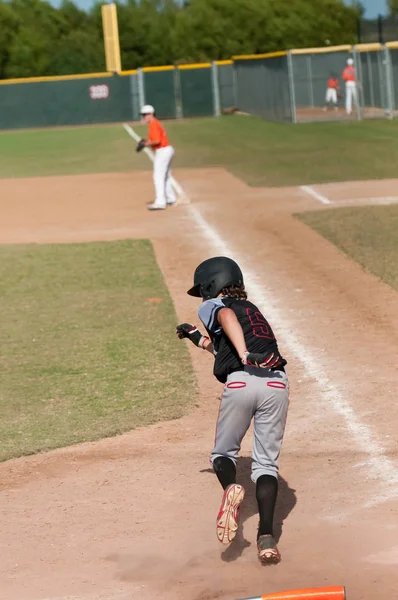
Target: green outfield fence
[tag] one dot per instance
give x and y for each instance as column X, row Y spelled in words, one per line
column 287, row 86
column 195, row 90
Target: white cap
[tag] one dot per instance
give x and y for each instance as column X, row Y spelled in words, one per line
column 147, row 109
column 350, row 62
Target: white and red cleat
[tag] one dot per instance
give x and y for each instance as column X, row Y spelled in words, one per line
column 227, row 519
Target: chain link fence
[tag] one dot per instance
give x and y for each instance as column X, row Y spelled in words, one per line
column 320, row 84
column 263, row 87
column 296, row 86
column 311, row 72
column 196, row 90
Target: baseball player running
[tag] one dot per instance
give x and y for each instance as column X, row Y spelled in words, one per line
column 164, row 153
column 248, row 363
column 350, row 78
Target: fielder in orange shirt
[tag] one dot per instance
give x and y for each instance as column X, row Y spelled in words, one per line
column 350, row 77
column 164, row 153
column 332, row 93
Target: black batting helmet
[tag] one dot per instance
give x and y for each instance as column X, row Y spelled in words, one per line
column 214, row 274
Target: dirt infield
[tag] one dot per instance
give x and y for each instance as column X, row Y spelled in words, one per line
column 309, row 114
column 133, row 517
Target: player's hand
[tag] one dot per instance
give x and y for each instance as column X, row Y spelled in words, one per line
column 186, row 330
column 140, row 145
column 262, row 361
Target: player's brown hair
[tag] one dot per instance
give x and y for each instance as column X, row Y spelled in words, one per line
column 236, row 291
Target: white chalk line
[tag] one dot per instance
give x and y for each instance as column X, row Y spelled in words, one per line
column 350, row 201
column 379, row 466
column 365, row 201
column 182, row 196
column 320, row 197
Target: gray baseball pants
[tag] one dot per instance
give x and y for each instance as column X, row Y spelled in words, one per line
column 261, row 395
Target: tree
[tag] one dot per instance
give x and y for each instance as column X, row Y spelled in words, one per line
column 38, row 39
column 78, row 52
column 38, row 26
column 393, row 5
column 216, row 29
column 8, row 31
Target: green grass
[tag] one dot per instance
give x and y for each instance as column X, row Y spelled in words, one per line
column 84, row 352
column 367, row 234
column 65, row 151
column 257, row 151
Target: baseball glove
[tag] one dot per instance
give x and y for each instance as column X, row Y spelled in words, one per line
column 140, row 145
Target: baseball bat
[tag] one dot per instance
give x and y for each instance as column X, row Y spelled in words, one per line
column 324, row 593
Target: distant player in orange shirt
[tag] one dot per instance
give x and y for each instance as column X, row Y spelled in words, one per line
column 350, row 77
column 159, row 143
column 332, row 92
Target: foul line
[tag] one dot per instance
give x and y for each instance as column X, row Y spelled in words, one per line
column 379, row 466
column 366, row 201
column 352, row 201
column 183, row 198
column 309, row 190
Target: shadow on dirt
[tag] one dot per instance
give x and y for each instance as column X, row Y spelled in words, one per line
column 285, row 503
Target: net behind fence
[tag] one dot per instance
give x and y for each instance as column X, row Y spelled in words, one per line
column 295, row 86
column 262, row 87
column 160, row 92
column 197, row 97
column 311, row 74
column 65, row 102
column 373, row 83
column 226, row 84
column 368, row 92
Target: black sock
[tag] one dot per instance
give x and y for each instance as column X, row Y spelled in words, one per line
column 225, row 470
column 266, row 493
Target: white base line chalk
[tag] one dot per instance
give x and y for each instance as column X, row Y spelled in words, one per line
column 378, row 466
column 182, row 197
column 309, row 190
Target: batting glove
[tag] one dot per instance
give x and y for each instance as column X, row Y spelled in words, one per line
column 192, row 333
column 262, row 361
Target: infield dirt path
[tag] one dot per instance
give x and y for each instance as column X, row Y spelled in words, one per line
column 133, row 517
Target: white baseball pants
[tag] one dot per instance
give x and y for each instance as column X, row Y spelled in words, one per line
column 255, row 394
column 331, row 96
column 350, row 95
column 161, row 176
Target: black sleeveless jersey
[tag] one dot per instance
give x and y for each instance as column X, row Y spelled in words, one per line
column 258, row 334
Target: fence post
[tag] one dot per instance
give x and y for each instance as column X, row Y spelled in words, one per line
column 135, row 101
column 216, row 89
column 291, row 86
column 382, row 80
column 311, row 83
column 235, row 83
column 358, row 70
column 370, row 76
column 389, row 82
column 177, row 94
column 141, row 87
